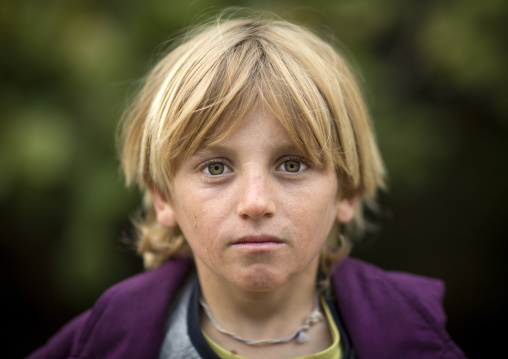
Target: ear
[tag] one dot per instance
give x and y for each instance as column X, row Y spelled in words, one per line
column 165, row 213
column 346, row 209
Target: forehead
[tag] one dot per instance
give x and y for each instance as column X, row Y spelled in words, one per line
column 234, row 120
column 261, row 127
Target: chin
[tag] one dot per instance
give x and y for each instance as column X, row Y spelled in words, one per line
column 260, row 280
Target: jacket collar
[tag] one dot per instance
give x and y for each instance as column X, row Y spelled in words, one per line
column 127, row 322
column 386, row 314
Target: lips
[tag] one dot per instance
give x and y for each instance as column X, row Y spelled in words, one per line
column 258, row 243
column 257, row 240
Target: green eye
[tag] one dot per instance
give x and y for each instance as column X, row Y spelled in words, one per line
column 216, row 169
column 292, row 166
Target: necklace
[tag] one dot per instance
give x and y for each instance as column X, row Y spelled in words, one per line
column 299, row 335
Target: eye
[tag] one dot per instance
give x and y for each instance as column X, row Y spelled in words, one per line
column 292, row 166
column 215, row 168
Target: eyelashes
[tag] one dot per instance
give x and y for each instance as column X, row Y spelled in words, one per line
column 287, row 165
column 215, row 167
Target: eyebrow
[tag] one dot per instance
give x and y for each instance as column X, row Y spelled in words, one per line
column 223, row 146
column 220, row 147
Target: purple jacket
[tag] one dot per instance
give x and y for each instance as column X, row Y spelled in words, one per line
column 386, row 314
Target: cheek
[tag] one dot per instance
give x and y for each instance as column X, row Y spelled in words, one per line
column 186, row 214
column 317, row 218
column 199, row 221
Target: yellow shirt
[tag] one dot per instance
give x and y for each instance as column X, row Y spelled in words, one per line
column 334, row 351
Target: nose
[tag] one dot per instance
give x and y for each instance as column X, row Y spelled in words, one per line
column 256, row 196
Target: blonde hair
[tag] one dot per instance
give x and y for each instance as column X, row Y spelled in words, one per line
column 203, row 89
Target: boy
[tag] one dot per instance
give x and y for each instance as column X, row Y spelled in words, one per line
column 253, row 146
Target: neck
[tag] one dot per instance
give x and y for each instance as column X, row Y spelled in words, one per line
column 259, row 314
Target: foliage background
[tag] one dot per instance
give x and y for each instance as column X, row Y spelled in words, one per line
column 435, row 77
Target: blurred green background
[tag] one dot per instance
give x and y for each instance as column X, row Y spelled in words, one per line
column 435, row 76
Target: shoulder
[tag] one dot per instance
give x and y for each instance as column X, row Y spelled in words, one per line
column 61, row 344
column 127, row 321
column 363, row 278
column 392, row 311
column 153, row 284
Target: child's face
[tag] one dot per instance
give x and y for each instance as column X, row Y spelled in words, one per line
column 253, row 211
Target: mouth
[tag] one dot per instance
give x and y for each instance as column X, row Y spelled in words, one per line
column 258, row 243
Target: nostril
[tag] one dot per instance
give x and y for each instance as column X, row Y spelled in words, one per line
column 256, row 198
column 255, row 208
